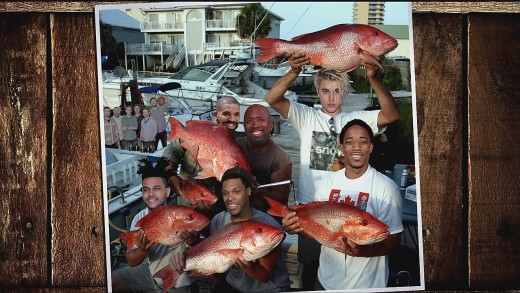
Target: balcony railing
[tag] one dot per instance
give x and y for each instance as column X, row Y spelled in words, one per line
column 229, row 45
column 149, row 49
column 216, row 24
column 161, row 25
column 220, row 24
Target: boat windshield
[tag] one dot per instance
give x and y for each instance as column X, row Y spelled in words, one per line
column 195, row 74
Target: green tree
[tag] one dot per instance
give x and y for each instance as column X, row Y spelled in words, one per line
column 392, row 78
column 249, row 19
column 106, row 39
column 109, row 46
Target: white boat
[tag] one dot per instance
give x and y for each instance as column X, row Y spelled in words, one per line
column 197, row 88
column 266, row 76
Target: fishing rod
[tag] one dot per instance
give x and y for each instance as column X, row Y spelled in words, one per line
column 274, row 184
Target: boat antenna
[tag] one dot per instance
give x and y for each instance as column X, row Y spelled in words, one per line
column 265, row 15
column 299, row 19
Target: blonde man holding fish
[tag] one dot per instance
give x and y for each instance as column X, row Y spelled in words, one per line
column 365, row 264
column 311, row 124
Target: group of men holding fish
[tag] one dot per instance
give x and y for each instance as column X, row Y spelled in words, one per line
column 347, row 221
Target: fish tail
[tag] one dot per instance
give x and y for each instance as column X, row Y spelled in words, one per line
column 176, row 127
column 277, row 209
column 169, row 277
column 130, row 239
column 269, row 48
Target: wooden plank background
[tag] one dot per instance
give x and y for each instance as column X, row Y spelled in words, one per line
column 467, row 71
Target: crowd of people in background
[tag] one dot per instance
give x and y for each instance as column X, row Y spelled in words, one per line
column 139, row 129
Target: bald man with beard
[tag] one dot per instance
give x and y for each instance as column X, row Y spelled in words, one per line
column 269, row 163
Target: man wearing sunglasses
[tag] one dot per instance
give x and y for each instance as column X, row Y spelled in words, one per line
column 318, row 134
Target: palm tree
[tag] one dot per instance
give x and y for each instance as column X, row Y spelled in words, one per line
column 251, row 23
column 109, row 46
column 106, row 39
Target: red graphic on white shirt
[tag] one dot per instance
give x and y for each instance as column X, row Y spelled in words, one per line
column 346, row 198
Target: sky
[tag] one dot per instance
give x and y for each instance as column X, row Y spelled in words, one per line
column 306, row 17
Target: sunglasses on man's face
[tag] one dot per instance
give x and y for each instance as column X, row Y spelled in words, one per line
column 332, row 127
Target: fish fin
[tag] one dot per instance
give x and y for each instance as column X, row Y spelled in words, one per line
column 269, row 48
column 277, row 209
column 208, row 172
column 370, row 59
column 130, row 239
column 176, row 126
column 348, row 69
column 169, row 277
column 193, row 151
column 205, row 174
column 299, row 37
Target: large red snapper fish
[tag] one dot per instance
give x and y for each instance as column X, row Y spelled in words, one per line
column 331, row 223
column 163, row 224
column 194, row 192
column 341, row 47
column 211, row 145
column 245, row 240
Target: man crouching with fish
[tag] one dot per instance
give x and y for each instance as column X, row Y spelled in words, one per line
column 148, row 256
column 266, row 274
column 358, row 184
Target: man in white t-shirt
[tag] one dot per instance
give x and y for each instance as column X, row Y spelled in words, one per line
column 358, row 184
column 318, row 137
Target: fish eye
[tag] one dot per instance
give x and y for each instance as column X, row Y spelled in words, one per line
column 190, row 217
column 259, row 230
column 364, row 222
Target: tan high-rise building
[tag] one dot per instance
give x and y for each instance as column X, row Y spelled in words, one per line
column 372, row 13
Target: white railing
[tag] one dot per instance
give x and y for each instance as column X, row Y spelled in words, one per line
column 220, row 24
column 161, row 25
column 229, row 45
column 155, row 48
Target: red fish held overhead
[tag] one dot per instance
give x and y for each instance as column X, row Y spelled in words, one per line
column 194, row 192
column 331, row 222
column 214, row 148
column 340, row 47
column 245, row 240
column 162, row 225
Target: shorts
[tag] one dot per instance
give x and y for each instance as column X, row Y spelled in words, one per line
column 308, row 250
column 139, row 279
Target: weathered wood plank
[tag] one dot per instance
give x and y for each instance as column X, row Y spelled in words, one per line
column 23, row 149
column 494, row 153
column 87, row 6
column 438, row 60
column 77, row 200
column 465, row 7
column 56, row 290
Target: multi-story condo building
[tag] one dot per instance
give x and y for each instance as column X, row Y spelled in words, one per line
column 372, row 13
column 189, row 35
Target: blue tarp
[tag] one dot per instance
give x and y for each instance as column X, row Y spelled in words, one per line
column 149, row 89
